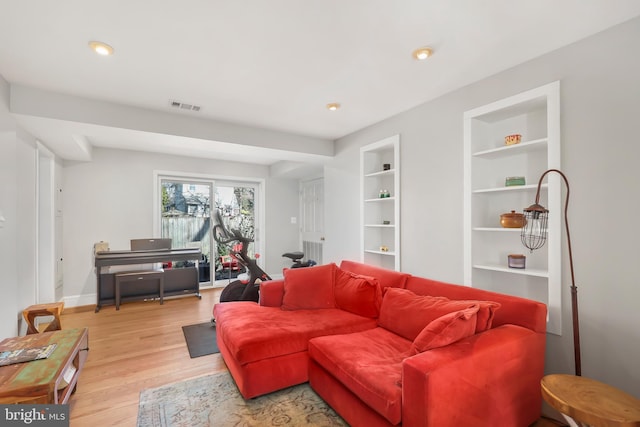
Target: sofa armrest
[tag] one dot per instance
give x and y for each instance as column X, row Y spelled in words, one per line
column 489, row 379
column 271, row 293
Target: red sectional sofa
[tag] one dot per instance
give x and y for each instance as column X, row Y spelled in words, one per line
column 385, row 348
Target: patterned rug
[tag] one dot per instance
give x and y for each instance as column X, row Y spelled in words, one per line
column 214, row 400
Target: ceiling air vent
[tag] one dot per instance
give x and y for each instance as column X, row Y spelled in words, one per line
column 184, row 106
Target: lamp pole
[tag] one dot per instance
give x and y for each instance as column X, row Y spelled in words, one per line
column 533, row 237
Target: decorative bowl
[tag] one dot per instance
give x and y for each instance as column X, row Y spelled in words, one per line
column 512, row 139
column 512, row 220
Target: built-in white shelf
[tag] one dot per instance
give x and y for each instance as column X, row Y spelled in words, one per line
column 381, row 200
column 520, row 271
column 380, row 171
column 514, row 188
column 509, row 150
column 498, row 229
column 534, row 114
column 387, row 253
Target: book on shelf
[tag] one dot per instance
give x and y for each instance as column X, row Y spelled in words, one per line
column 9, row 357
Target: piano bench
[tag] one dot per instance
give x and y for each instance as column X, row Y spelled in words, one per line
column 139, row 277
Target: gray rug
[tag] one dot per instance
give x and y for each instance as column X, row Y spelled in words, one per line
column 201, row 339
column 214, row 400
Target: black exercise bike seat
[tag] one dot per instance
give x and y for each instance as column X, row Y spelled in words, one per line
column 294, row 256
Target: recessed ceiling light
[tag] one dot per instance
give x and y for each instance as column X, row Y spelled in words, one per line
column 333, row 106
column 101, row 48
column 422, row 53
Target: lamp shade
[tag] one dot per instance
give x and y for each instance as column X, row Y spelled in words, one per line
column 534, row 230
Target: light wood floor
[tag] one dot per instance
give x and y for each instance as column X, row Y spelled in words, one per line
column 140, row 346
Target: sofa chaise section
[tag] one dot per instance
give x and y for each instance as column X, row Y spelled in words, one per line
column 265, row 345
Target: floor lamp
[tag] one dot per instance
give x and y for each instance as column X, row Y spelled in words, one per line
column 534, row 235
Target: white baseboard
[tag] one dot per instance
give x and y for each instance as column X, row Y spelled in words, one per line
column 79, row 300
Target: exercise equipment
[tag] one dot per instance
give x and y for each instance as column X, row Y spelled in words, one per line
column 245, row 288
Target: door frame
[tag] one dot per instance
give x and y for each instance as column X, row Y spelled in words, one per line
column 318, row 210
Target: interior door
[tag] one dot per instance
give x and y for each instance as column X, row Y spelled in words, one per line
column 312, row 218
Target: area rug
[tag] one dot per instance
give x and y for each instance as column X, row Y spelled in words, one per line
column 201, row 339
column 214, row 401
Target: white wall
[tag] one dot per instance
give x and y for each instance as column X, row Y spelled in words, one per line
column 27, row 238
column 8, row 236
column 17, row 231
column 600, row 103
column 341, row 206
column 8, row 226
column 111, row 199
column 281, row 236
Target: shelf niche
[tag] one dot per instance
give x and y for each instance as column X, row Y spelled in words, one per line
column 380, row 203
column 534, row 114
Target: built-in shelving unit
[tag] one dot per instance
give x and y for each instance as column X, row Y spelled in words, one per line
column 535, row 115
column 380, row 203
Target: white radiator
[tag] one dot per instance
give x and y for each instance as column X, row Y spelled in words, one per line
column 312, row 250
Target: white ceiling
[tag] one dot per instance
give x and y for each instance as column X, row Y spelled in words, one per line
column 271, row 65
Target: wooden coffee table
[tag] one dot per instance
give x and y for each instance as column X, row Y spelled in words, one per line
column 43, row 381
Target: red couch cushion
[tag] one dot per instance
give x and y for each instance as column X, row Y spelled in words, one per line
column 447, row 329
column 406, row 313
column 309, row 288
column 387, row 278
column 514, row 310
column 271, row 293
column 357, row 294
column 252, row 332
column 486, row 312
column 369, row 364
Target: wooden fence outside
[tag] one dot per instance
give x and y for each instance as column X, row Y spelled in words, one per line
column 184, row 231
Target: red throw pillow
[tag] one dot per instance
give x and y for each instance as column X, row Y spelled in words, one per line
column 406, row 314
column 447, row 329
column 386, row 277
column 485, row 313
column 309, row 287
column 357, row 294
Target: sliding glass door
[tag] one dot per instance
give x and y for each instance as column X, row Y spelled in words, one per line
column 186, row 216
column 236, row 202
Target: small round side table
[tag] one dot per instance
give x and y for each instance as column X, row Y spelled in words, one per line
column 589, row 402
